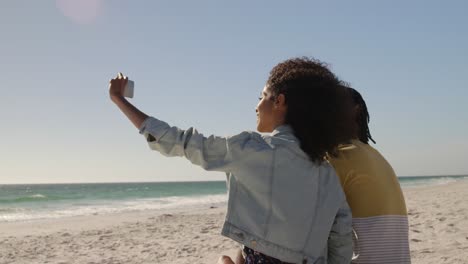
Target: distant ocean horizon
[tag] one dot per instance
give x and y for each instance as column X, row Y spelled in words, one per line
column 25, row 202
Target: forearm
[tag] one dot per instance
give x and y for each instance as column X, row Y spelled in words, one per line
column 133, row 114
column 340, row 240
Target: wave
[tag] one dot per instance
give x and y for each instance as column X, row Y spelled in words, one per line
column 29, row 198
column 11, row 210
column 37, row 196
column 430, row 181
column 102, row 207
column 175, row 202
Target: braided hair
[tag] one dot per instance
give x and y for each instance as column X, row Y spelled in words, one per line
column 362, row 117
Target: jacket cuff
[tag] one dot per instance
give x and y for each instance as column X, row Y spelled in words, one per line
column 153, row 129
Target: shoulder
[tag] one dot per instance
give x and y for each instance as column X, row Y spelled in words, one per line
column 250, row 140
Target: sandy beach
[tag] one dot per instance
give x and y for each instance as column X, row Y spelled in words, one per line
column 438, row 219
column 438, row 234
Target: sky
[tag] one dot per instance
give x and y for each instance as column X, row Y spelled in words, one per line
column 203, row 64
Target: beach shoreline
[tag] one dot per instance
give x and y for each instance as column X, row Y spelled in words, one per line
column 438, row 219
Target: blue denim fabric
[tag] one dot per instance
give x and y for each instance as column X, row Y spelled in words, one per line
column 279, row 203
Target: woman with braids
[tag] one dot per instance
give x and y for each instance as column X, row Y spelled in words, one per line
column 285, row 202
column 373, row 192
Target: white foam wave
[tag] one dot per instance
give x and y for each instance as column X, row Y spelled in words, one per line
column 433, row 181
column 37, row 196
column 114, row 207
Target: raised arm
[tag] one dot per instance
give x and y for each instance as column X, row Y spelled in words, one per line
column 211, row 153
column 116, row 88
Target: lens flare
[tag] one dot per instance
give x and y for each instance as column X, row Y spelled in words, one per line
column 80, row 11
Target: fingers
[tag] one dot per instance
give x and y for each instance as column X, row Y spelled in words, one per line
column 120, row 76
column 225, row 260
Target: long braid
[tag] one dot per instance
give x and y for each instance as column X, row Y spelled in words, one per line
column 362, row 117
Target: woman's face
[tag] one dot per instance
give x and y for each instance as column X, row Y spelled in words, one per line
column 270, row 111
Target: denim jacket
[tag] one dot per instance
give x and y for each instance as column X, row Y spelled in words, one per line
column 279, row 203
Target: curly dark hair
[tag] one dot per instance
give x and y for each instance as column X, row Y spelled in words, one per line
column 319, row 108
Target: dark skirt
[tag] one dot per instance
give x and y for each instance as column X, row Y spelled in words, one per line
column 255, row 257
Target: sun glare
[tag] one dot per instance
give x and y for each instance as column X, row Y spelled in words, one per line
column 80, row 11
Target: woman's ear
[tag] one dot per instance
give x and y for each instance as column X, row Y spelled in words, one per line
column 280, row 101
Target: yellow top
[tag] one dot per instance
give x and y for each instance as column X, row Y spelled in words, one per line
column 369, row 182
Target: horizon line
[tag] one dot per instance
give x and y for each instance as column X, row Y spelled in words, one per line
column 195, row 181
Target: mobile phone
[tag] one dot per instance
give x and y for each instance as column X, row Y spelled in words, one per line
column 129, row 88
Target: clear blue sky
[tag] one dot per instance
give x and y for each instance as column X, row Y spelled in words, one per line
column 203, row 64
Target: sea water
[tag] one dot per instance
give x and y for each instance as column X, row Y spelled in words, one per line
column 41, row 201
column 38, row 201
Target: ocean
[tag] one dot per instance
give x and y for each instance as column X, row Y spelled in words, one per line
column 24, row 202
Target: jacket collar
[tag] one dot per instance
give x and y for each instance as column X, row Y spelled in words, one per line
column 283, row 130
column 284, row 135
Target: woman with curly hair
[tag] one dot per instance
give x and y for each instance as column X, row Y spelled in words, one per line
column 285, row 202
